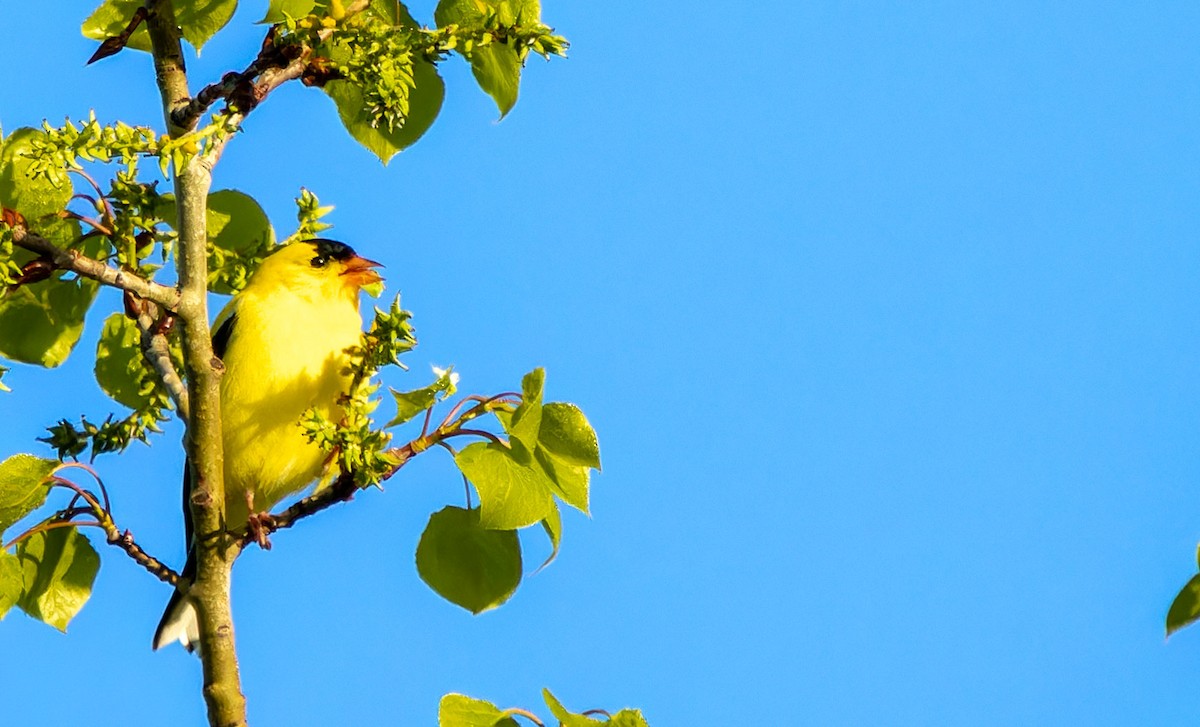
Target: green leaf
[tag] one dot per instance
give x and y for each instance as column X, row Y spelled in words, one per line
column 553, row 527
column 565, row 718
column 424, row 104
column 280, row 10
column 511, row 495
column 497, row 69
column 1186, row 608
column 570, row 481
column 458, row 710
column 566, row 434
column 199, row 19
column 120, row 370
column 41, row 322
column 239, row 236
column 424, row 100
column 627, row 718
column 237, row 222
column 496, row 66
column 22, row 486
column 411, row 403
column 59, row 568
column 527, row 419
column 467, row 564
column 12, row 582
column 34, row 196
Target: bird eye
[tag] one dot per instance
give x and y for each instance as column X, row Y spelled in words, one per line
column 319, row 261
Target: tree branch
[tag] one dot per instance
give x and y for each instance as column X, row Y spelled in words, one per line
column 104, row 521
column 156, row 349
column 214, row 555
column 125, row 542
column 72, row 260
column 343, row 488
column 274, row 66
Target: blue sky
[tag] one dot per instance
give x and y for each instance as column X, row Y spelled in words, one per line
column 886, row 317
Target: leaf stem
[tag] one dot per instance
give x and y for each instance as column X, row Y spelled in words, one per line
column 51, row 525
column 526, row 714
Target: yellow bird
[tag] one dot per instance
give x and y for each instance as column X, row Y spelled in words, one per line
column 283, row 340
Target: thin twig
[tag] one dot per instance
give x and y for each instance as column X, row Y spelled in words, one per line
column 104, row 521
column 526, row 714
column 95, row 224
column 475, row 433
column 44, row 526
column 87, row 267
column 425, row 425
column 344, row 488
column 157, row 351
column 91, row 471
column 109, row 212
column 125, row 541
column 273, row 67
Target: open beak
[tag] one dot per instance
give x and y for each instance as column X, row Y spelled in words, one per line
column 360, row 271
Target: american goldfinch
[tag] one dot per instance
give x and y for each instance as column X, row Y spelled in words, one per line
column 283, row 340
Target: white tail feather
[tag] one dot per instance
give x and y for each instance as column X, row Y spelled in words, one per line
column 181, row 625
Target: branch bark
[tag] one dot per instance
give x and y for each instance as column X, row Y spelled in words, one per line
column 273, row 67
column 163, row 295
column 157, row 351
column 215, row 554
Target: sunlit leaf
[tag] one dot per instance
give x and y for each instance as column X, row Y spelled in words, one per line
column 40, row 323
column 565, row 717
column 199, row 19
column 411, row 403
column 280, row 10
column 570, row 481
column 527, row 419
column 120, row 369
column 457, row 710
column 627, row 718
column 11, row 581
column 467, row 564
column 566, row 433
column 424, row 103
column 22, row 486
column 496, row 66
column 1186, row 607
column 553, row 527
column 59, row 567
column 512, row 495
column 33, row 195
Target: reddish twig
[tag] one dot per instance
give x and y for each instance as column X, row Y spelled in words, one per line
column 51, row 525
column 526, row 714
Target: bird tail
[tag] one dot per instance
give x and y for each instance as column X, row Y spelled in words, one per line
column 179, row 621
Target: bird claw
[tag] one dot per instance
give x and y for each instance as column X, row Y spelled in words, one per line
column 261, row 525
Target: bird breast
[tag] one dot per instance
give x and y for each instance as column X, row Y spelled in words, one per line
column 282, row 359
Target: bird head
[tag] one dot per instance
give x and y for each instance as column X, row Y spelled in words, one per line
column 319, row 266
